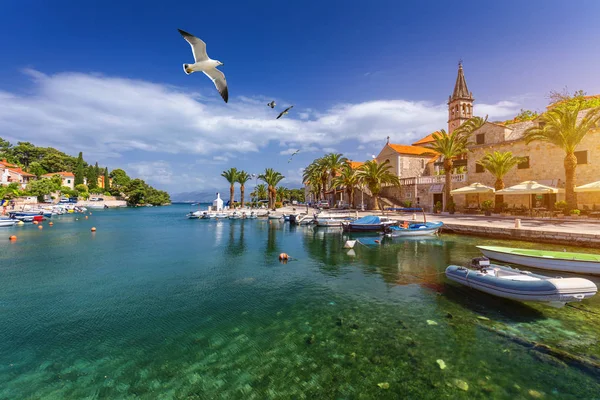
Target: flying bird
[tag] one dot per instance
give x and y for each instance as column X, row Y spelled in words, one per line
column 281, row 114
column 271, row 104
column 205, row 64
column 293, row 154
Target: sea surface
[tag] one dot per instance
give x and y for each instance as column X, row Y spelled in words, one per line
column 156, row 306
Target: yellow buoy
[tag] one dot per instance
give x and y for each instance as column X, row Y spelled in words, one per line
column 50, row 223
column 86, row 217
column 12, row 238
column 20, row 223
column 40, row 227
column 93, row 229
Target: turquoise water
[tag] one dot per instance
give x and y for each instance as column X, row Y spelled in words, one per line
column 156, row 306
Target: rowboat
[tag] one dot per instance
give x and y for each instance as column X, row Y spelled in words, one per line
column 414, row 229
column 554, row 260
column 520, row 285
column 274, row 216
column 370, row 223
column 235, row 215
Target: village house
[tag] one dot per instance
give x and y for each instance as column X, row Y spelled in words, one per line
column 12, row 173
column 421, row 171
column 68, row 179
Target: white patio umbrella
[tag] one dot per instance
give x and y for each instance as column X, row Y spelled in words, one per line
column 528, row 187
column 590, row 187
column 473, row 188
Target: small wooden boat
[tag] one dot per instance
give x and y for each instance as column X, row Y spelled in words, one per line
column 553, row 260
column 414, row 229
column 520, row 285
column 370, row 223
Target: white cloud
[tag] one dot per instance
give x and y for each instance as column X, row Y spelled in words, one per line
column 111, row 115
column 152, row 172
column 329, row 150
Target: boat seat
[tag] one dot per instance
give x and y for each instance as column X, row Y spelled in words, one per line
column 519, row 278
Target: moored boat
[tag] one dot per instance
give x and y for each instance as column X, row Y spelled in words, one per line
column 194, row 214
column 553, row 260
column 414, row 229
column 275, row 216
column 520, row 285
column 370, row 223
column 235, row 215
column 8, row 222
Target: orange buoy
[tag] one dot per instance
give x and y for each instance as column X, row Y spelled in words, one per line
column 12, row 238
column 40, row 227
column 50, row 223
column 35, row 222
column 93, row 229
column 283, row 257
column 86, row 217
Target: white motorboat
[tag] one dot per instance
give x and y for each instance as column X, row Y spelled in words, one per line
column 235, row 215
column 520, row 285
column 275, row 216
column 194, row 214
column 8, row 222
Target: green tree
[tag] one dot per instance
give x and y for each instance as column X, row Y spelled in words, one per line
column 271, row 178
column 92, row 177
column 106, row 179
column 135, row 191
column 36, row 168
column 453, row 145
column 119, row 177
column 374, row 175
column 231, row 176
column 242, row 178
column 499, row 164
column 282, row 193
column 79, row 170
column 24, row 153
column 333, row 163
column 6, row 150
column 260, row 192
column 42, row 187
column 312, row 177
column 560, row 127
column 81, row 188
column 10, row 191
column 348, row 179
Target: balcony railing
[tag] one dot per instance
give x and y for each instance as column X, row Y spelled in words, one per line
column 428, row 180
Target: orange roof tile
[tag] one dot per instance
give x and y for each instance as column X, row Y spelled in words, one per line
column 20, row 171
column 355, row 164
column 426, row 139
column 412, row 150
column 62, row 173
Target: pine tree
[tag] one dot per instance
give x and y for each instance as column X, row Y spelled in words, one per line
column 98, row 173
column 79, row 171
column 92, row 177
column 106, row 179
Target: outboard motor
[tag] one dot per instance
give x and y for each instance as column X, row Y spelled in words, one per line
column 480, row 263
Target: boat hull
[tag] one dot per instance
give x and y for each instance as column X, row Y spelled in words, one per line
column 555, row 264
column 427, row 229
column 8, row 222
column 524, row 286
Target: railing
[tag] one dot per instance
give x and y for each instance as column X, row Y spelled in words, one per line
column 428, row 180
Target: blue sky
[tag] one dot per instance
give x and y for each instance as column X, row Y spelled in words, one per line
column 106, row 77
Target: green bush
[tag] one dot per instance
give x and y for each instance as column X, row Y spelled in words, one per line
column 487, row 205
column 407, row 203
column 451, row 207
column 437, row 207
column 278, row 204
column 560, row 205
column 575, row 212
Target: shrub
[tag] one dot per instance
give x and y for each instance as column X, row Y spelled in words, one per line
column 487, row 205
column 451, row 207
column 560, row 205
column 437, row 206
column 575, row 212
column 407, row 203
column 278, row 204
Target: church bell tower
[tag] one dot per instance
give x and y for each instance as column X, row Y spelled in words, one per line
column 460, row 104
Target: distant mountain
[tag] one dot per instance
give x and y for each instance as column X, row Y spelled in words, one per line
column 199, row 197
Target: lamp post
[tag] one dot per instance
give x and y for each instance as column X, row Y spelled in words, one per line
column 362, row 202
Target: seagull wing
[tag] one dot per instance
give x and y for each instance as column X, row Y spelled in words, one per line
column 218, row 79
column 198, row 46
column 284, row 112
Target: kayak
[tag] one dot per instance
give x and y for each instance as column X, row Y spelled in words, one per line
column 553, row 260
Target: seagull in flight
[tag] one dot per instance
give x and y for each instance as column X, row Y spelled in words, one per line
column 205, row 64
column 293, row 154
column 281, row 114
column 271, row 104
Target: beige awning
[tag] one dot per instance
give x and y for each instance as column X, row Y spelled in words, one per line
column 528, row 187
column 473, row 188
column 590, row 187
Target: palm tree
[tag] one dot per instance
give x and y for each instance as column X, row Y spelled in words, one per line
column 332, row 164
column 271, row 178
column 348, row 179
column 231, row 176
column 498, row 164
column 374, row 175
column 242, row 178
column 282, row 193
column 560, row 127
column 453, row 145
column 312, row 177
